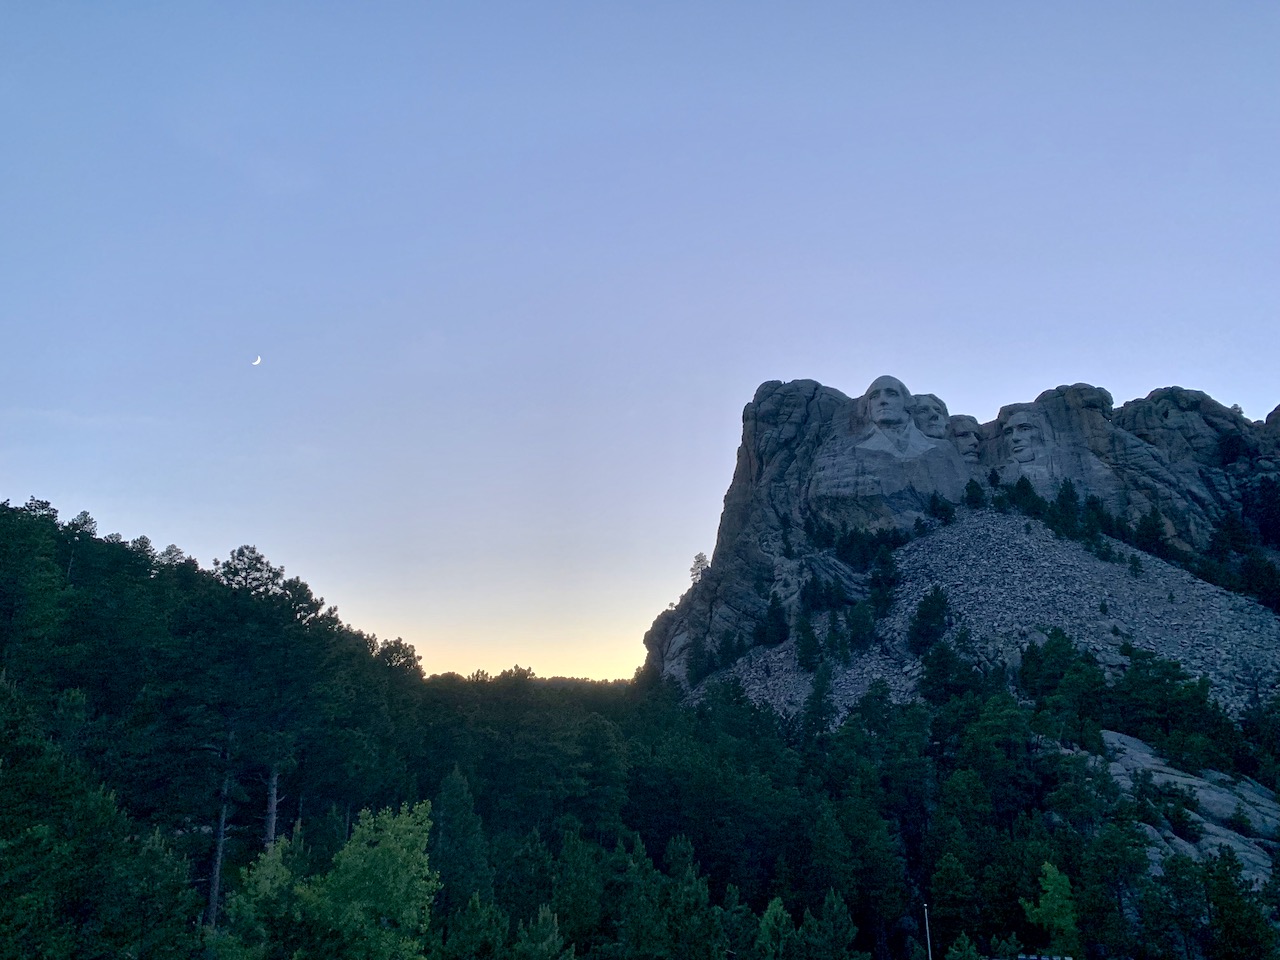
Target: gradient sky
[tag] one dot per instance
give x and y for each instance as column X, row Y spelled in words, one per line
column 513, row 269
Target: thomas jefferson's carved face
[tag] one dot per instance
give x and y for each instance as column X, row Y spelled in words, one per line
column 964, row 434
column 930, row 416
column 886, row 400
column 1024, row 436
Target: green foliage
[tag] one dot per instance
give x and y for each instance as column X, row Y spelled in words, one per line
column 477, row 932
column 954, row 897
column 861, row 550
column 819, row 711
column 1149, row 535
column 1055, row 911
column 963, row 949
column 941, row 510
column 777, row 932
column 861, row 624
column 77, row 877
column 929, row 622
column 808, row 648
column 170, row 683
column 1239, row 928
column 541, row 939
column 459, row 851
column 1262, row 510
column 1024, row 499
column 882, row 582
column 947, row 675
column 974, row 496
column 830, row 935
column 701, row 662
column 373, row 903
column 1064, row 515
column 773, row 629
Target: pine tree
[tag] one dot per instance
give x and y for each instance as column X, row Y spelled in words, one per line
column 541, row 939
column 777, row 932
column 477, row 932
column 883, row 581
column 862, row 626
column 808, row 649
column 1055, row 911
column 929, row 622
column 458, row 850
column 974, row 496
column 963, row 949
column 773, row 630
column 819, row 709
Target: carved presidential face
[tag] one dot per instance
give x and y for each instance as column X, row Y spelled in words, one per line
column 930, row 415
column 886, row 401
column 964, row 434
column 1024, row 436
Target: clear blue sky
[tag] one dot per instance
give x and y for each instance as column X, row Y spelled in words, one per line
column 513, row 269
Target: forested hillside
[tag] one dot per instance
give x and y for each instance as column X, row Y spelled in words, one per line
column 210, row 762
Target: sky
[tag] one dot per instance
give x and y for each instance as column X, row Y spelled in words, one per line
column 513, row 269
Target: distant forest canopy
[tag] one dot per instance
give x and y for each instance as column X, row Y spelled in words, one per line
column 208, row 762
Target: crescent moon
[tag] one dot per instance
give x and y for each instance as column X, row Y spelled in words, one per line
column 256, row 362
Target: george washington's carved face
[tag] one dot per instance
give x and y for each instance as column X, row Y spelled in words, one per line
column 886, row 401
column 1024, row 436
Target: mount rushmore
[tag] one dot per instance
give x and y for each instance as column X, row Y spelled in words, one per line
column 817, row 469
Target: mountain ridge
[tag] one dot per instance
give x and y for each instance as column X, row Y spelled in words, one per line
column 823, row 481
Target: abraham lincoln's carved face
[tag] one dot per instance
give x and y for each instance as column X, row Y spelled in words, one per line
column 1024, row 436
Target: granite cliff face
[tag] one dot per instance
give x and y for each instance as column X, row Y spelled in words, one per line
column 815, row 464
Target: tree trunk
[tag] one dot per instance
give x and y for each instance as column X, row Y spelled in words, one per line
column 219, row 848
column 273, row 804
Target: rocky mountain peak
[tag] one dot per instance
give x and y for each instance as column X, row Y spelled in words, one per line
column 826, row 485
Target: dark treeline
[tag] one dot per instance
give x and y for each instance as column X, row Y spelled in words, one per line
column 201, row 762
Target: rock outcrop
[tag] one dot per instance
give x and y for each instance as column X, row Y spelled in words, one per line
column 1241, row 815
column 815, row 464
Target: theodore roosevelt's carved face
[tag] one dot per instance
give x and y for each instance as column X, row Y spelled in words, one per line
column 1024, row 436
column 964, row 434
column 930, row 415
column 886, row 401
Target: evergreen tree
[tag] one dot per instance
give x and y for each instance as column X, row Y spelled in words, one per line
column 819, row 710
column 829, row 936
column 777, row 932
column 1055, row 911
column 808, row 650
column 459, row 851
column 701, row 662
column 773, row 630
column 541, row 939
column 954, row 898
column 1238, row 925
column 578, row 889
column 929, row 622
column 835, row 644
column 963, row 949
column 941, row 509
column 1149, row 534
column 861, row 625
column 883, row 581
column 477, row 932
column 77, row 877
column 974, row 496
column 1064, row 514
